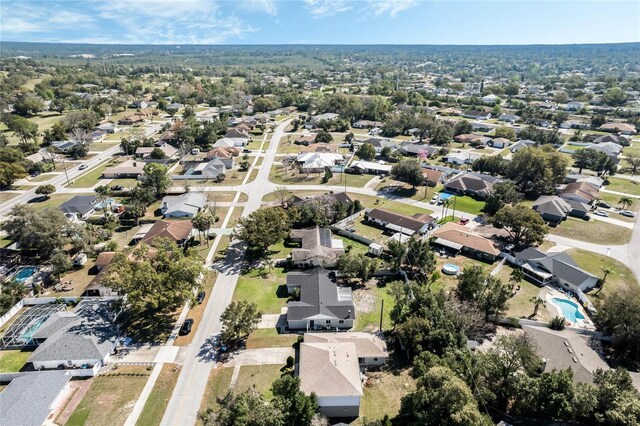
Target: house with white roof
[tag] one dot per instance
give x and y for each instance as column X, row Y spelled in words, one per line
column 185, row 205
column 317, row 161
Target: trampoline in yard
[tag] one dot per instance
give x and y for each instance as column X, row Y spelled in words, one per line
column 20, row 333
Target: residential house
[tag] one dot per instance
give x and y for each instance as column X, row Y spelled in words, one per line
column 96, row 288
column 177, row 231
column 583, row 192
column 623, row 128
column 331, row 372
column 370, row 167
column 432, row 177
column 553, row 268
column 418, row 149
column 460, row 239
column 63, row 146
column 574, row 106
column 213, row 169
column 460, row 158
column 574, row 124
column 79, row 339
column 508, row 118
column 478, row 126
column 32, row 397
column 471, row 139
column 108, row 127
column 490, row 99
column 144, row 152
column 322, row 305
column 42, row 156
column 321, row 147
column 126, row 169
column 564, row 350
column 185, row 205
column 593, row 180
column 613, row 150
column 231, row 142
column 370, row 348
column 131, row 119
column 540, row 122
column 379, row 144
column 318, row 248
column 79, row 207
column 396, row 222
column 329, row 116
column 620, row 140
column 521, row 144
column 554, row 209
column 237, row 133
column 476, row 115
column 367, row 124
column 500, row 143
column 476, row 185
column 328, row 199
column 315, row 162
column 225, row 154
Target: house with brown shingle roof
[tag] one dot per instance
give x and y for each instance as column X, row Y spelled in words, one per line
column 461, row 239
column 624, row 128
column 397, row 222
column 583, row 192
column 224, row 154
column 432, row 177
column 178, row 231
column 317, row 248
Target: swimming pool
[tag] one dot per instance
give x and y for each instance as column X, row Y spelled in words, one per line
column 25, row 273
column 450, row 269
column 445, row 195
column 569, row 309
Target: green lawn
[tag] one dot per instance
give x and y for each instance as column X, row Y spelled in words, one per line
column 91, row 178
column 13, row 360
column 520, row 306
column 614, row 199
column 383, row 393
column 42, row 178
column 102, row 146
column 634, row 148
column 619, row 277
column 159, row 397
column 466, row 204
column 259, row 376
column 269, row 338
column 54, row 201
column 368, row 314
column 593, row 231
column 111, row 397
column 217, row 387
column 267, row 290
column 623, row 185
column 279, row 176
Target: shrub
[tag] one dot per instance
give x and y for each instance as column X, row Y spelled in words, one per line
column 557, row 323
column 290, row 361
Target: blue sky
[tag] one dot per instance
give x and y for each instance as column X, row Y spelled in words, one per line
column 320, row 21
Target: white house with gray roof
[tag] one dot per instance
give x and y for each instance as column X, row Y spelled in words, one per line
column 82, row 338
column 185, row 205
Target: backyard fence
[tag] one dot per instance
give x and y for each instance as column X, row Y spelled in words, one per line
column 11, row 312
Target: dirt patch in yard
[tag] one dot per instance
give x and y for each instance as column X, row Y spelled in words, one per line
column 364, row 300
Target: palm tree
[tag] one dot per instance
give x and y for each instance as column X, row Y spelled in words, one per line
column 595, row 201
column 516, row 276
column 606, row 270
column 445, row 207
column 625, row 202
column 537, row 302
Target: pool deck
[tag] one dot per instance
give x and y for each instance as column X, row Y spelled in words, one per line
column 552, row 293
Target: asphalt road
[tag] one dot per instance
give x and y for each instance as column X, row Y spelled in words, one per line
column 185, row 401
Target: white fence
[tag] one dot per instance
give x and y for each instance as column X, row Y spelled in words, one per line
column 14, row 310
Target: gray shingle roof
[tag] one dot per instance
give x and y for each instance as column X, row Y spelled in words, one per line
column 27, row 399
column 87, row 333
column 80, row 204
column 318, row 296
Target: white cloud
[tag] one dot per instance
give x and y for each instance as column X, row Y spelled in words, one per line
column 392, row 7
column 28, row 18
column 324, row 8
column 265, row 6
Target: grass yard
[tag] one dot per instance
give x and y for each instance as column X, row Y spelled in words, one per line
column 383, row 392
column 159, row 397
column 79, row 278
column 6, row 196
column 280, row 176
column 597, row 232
column 111, row 397
column 614, row 199
column 634, row 148
column 623, row 185
column 271, row 197
column 352, row 246
column 267, row 290
column 91, row 178
column 371, row 201
column 520, row 305
column 54, row 201
column 368, row 231
column 619, row 277
column 217, row 387
column 368, row 302
column 467, row 204
column 259, row 376
column 221, row 251
column 450, row 282
column 102, row 146
column 197, row 311
column 225, row 196
column 270, row 338
column 43, row 178
column 282, row 249
column 12, row 361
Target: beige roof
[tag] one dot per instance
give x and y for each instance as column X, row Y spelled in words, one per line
column 330, row 369
column 126, row 167
column 317, row 244
column 368, row 345
column 462, row 235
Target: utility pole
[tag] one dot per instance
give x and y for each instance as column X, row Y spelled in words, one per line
column 381, row 310
column 65, row 171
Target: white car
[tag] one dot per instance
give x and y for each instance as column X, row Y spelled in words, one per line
column 83, row 166
column 627, row 213
column 601, row 213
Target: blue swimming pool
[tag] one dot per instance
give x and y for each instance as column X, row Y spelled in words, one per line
column 445, row 195
column 450, row 269
column 569, row 309
column 25, row 273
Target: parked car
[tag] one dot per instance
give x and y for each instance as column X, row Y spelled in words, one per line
column 601, row 213
column 246, row 151
column 186, row 327
column 464, row 221
column 36, row 173
column 117, row 188
column 200, row 297
column 83, row 166
column 603, row 205
column 627, row 213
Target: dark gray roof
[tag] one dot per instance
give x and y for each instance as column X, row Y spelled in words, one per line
column 416, row 148
column 318, row 296
column 26, row 401
column 470, row 182
column 559, row 264
column 80, row 204
column 87, row 333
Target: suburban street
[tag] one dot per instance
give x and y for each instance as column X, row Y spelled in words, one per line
column 187, row 396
